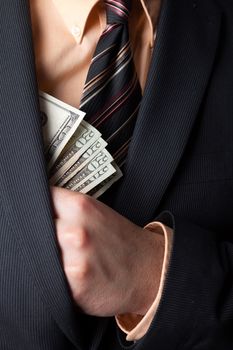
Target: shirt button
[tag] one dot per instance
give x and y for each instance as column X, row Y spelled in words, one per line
column 76, row 31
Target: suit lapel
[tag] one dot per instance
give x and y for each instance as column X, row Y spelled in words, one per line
column 22, row 172
column 183, row 57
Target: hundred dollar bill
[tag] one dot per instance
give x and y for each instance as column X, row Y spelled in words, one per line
column 97, row 179
column 104, row 185
column 85, row 158
column 80, row 142
column 96, row 164
column 59, row 123
column 75, row 152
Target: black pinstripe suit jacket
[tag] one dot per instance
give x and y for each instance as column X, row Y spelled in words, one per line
column 179, row 169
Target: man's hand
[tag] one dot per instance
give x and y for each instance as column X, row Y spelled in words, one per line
column 112, row 266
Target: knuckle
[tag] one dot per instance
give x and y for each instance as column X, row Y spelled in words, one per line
column 81, row 238
column 78, row 281
column 74, row 283
column 83, row 203
column 78, row 238
column 83, row 271
column 78, row 273
column 79, row 294
column 67, row 238
column 73, row 237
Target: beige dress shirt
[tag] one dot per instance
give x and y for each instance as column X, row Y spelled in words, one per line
column 65, row 34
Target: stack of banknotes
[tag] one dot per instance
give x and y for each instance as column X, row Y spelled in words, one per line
column 75, row 151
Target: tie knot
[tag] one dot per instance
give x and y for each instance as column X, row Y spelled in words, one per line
column 117, row 11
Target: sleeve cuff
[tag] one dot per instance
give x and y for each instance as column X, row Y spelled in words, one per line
column 136, row 326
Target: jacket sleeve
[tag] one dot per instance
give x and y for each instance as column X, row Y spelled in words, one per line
column 196, row 309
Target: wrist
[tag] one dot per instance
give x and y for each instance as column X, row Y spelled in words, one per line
column 151, row 269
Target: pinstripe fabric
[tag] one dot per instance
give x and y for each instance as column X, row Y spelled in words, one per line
column 183, row 140
column 112, row 94
column 30, row 260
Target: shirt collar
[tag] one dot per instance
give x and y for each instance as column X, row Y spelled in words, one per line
column 76, row 18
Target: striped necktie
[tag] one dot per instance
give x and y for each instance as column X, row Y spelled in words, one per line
column 112, row 93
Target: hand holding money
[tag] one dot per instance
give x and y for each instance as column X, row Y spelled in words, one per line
column 78, row 161
column 75, row 152
column 105, row 256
